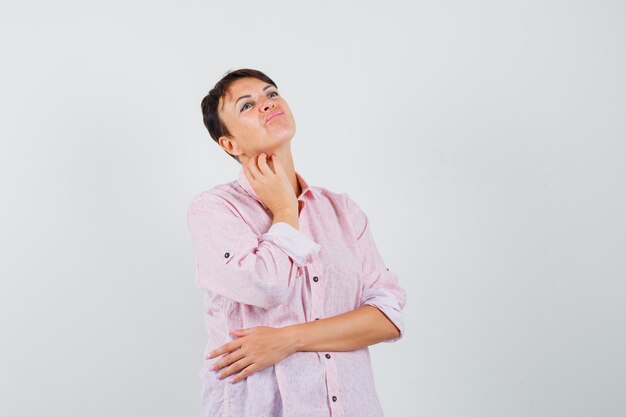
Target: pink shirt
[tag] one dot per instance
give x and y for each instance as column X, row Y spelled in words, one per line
column 254, row 273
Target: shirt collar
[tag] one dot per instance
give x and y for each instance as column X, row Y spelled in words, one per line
column 245, row 184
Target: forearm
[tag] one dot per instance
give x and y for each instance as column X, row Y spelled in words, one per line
column 355, row 329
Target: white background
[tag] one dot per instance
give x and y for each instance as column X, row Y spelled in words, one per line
column 485, row 141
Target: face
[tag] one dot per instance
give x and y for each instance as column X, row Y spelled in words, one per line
column 245, row 108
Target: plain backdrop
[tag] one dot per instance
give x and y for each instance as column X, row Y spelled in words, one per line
column 485, row 141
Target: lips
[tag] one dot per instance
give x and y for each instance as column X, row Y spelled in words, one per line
column 273, row 114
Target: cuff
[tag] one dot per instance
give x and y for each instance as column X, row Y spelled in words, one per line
column 388, row 305
column 293, row 242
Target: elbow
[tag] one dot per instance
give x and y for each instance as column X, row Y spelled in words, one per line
column 395, row 331
column 394, row 321
column 396, row 334
column 397, row 321
column 398, row 331
column 395, row 325
column 391, row 306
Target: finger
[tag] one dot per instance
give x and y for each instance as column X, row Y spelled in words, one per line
column 225, row 348
column 234, row 367
column 246, row 372
column 249, row 175
column 228, row 360
column 237, row 333
column 265, row 169
column 242, row 332
column 270, row 163
column 252, row 165
column 278, row 166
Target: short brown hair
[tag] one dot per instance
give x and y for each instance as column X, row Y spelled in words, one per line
column 210, row 102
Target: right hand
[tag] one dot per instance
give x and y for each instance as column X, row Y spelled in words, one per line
column 271, row 186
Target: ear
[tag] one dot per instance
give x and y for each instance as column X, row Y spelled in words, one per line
column 229, row 145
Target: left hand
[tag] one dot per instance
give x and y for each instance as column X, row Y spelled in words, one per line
column 255, row 349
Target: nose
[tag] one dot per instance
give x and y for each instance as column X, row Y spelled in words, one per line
column 268, row 104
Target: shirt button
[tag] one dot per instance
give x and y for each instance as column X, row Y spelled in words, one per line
column 334, row 398
column 315, row 279
column 226, row 255
column 327, row 356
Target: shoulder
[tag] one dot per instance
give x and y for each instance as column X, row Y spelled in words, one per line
column 219, row 196
column 343, row 202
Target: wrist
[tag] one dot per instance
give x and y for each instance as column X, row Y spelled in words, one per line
column 293, row 337
column 289, row 216
column 285, row 211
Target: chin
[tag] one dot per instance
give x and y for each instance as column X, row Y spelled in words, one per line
column 284, row 135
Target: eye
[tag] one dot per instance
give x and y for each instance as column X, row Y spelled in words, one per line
column 268, row 94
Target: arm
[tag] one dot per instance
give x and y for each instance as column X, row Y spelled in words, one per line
column 259, row 347
column 379, row 317
column 232, row 261
column 381, row 287
column 358, row 328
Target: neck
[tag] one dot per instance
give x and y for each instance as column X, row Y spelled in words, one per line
column 286, row 159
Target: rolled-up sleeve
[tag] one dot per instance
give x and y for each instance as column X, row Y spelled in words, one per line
column 233, row 261
column 298, row 246
column 380, row 286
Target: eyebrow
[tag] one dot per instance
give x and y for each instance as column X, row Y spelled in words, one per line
column 248, row 95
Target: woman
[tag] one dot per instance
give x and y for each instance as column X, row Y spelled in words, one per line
column 295, row 288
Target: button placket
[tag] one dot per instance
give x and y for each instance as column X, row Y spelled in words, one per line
column 316, row 297
column 317, row 292
column 332, row 385
column 313, row 272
